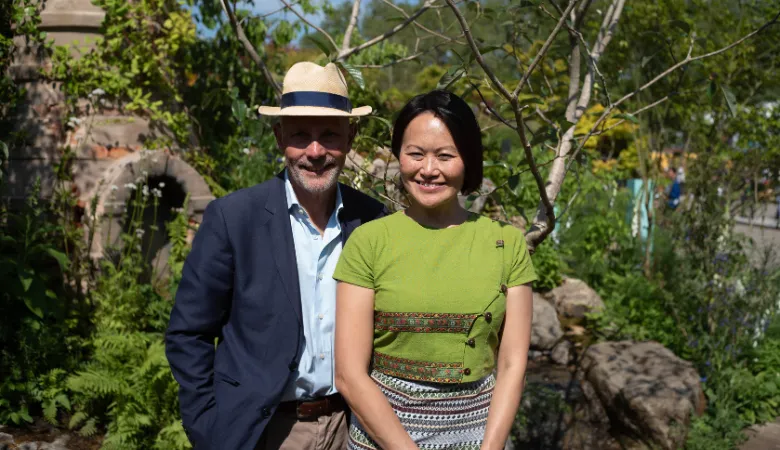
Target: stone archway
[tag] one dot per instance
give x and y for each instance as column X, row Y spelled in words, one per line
column 113, row 193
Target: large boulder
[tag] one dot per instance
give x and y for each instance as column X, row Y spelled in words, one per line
column 643, row 390
column 574, row 298
column 545, row 328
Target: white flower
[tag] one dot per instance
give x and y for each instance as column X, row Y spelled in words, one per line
column 130, row 186
column 97, row 92
column 144, row 173
column 114, row 187
column 162, row 185
column 245, row 151
column 156, row 192
column 139, row 232
column 145, row 191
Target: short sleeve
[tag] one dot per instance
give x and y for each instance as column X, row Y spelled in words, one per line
column 522, row 270
column 356, row 264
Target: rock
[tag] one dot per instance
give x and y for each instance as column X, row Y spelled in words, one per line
column 28, row 446
column 562, row 353
column 649, row 392
column 58, row 444
column 763, row 437
column 545, row 328
column 6, row 438
column 574, row 298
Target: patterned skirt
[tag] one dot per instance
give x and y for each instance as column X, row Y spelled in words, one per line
column 436, row 415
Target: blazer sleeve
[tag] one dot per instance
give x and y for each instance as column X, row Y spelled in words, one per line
column 200, row 308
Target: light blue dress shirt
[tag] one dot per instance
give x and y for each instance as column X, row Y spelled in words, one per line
column 316, row 257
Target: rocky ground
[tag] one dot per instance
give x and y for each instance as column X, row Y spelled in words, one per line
column 43, row 436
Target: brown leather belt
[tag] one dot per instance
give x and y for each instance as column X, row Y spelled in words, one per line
column 312, row 409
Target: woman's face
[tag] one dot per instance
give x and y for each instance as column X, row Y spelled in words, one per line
column 432, row 170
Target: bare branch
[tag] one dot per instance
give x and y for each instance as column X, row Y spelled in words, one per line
column 422, row 27
column 540, row 56
column 496, row 114
column 303, row 19
column 239, row 30
column 346, row 54
column 404, row 59
column 480, row 60
column 351, row 27
column 549, row 215
column 279, row 10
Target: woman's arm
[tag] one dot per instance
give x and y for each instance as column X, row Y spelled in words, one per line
column 512, row 360
column 353, row 349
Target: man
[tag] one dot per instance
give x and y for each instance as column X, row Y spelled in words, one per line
column 258, row 284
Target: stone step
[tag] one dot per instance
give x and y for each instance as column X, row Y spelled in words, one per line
column 763, row 437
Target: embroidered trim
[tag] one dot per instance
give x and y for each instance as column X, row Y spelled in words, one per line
column 418, row 370
column 423, row 322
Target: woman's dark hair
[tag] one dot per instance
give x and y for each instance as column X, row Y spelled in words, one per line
column 459, row 119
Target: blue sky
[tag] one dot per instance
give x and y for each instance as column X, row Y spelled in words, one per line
column 266, row 6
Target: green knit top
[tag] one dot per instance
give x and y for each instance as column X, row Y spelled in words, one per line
column 439, row 294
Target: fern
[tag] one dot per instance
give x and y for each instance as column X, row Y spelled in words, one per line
column 89, row 428
column 77, row 419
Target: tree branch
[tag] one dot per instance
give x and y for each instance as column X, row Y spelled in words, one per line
column 351, row 27
column 303, row 19
column 420, row 26
column 480, row 60
column 540, row 56
column 239, row 30
column 279, row 10
column 687, row 60
column 344, row 54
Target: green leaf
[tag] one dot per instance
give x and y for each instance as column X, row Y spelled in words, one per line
column 647, row 59
column 384, row 121
column 543, row 135
column 532, row 100
column 355, row 73
column 62, row 399
column 731, row 100
column 61, row 258
column 239, row 109
column 681, row 25
column 452, row 75
column 321, row 44
column 470, row 200
column 626, row 116
column 26, row 282
column 514, row 183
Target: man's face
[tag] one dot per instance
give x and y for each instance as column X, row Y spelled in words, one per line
column 315, row 149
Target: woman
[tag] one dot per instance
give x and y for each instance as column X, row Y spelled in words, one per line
column 422, row 297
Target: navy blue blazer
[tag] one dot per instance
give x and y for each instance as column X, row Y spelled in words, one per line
column 236, row 326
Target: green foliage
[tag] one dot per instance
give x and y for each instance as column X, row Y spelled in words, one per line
column 126, row 385
column 43, row 318
column 548, row 265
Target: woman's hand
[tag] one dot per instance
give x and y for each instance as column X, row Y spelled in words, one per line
column 512, row 361
column 353, row 351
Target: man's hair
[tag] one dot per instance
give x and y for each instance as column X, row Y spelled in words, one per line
column 460, row 121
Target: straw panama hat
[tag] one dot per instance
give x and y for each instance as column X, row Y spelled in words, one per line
column 312, row 90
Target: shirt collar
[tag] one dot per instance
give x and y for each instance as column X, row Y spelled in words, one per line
column 292, row 199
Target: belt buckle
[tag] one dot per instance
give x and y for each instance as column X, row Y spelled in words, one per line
column 314, row 410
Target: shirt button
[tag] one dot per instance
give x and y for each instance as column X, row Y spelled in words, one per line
column 503, row 289
column 321, row 316
column 319, row 276
column 471, row 342
column 488, row 317
column 322, row 355
column 467, row 371
column 293, row 366
column 266, row 413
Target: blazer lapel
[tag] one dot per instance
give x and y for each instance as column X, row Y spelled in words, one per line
column 283, row 246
